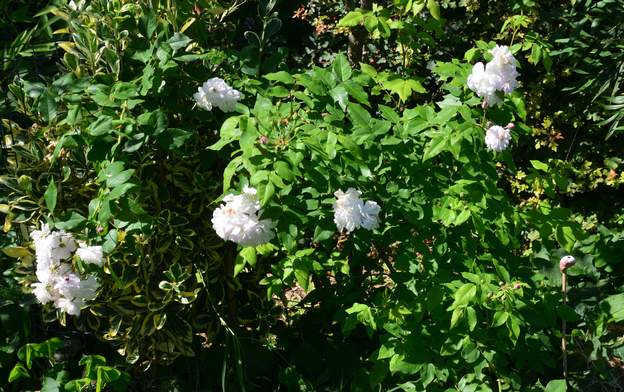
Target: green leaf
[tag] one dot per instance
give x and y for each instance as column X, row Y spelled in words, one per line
column 398, row 364
column 340, row 96
column 351, row 19
column 75, row 219
column 18, row 372
column 90, row 363
column 403, row 87
column 16, row 251
column 472, row 317
column 457, row 315
column 77, row 385
column 47, row 106
column 434, row 8
column 178, row 41
column 143, row 56
column 174, row 138
column 566, row 238
column 514, row 326
column 614, row 306
column 520, row 106
column 438, row 143
column 280, row 76
column 462, row 217
column 101, row 126
column 371, row 22
column 72, row 114
column 321, row 235
column 124, row 90
column 364, row 314
column 269, row 191
column 45, row 349
column 499, row 318
column 119, row 178
column 303, row 277
column 470, row 352
column 278, row 91
column 427, row 374
column 539, row 165
column 356, row 91
column 50, row 195
column 250, row 136
column 368, row 70
column 464, row 295
column 50, row 385
column 418, row 6
column 359, row 116
column 556, row 386
column 230, row 170
column 147, row 80
column 330, row 145
column 283, row 170
column 229, row 132
column 341, row 68
column 104, row 100
column 245, row 256
column 106, row 375
column 120, row 190
column 150, row 22
column 110, row 170
column 274, row 25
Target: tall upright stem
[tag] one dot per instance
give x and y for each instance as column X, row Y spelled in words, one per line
column 564, row 289
column 565, row 263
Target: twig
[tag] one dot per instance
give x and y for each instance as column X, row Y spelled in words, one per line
column 571, row 144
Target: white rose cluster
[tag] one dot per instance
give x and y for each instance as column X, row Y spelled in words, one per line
column 215, row 92
column 58, row 283
column 497, row 138
column 351, row 212
column 497, row 75
column 238, row 220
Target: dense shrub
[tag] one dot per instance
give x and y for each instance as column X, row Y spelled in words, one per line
column 454, row 285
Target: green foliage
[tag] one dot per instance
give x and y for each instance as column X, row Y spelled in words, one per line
column 102, row 129
column 56, row 378
column 457, row 289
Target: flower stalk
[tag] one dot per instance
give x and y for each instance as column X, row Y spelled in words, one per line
column 565, row 263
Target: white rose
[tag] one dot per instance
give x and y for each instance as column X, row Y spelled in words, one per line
column 497, row 138
column 91, row 255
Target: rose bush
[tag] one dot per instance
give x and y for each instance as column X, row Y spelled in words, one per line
column 368, row 223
